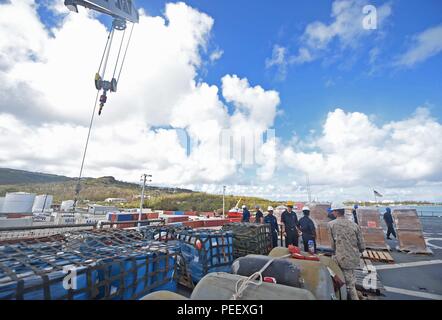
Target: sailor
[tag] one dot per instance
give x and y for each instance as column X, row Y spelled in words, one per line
column 347, row 244
column 291, row 224
column 330, row 214
column 355, row 217
column 271, row 219
column 308, row 229
column 389, row 222
column 245, row 214
column 258, row 216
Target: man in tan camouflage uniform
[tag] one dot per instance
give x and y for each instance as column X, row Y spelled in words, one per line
column 347, row 243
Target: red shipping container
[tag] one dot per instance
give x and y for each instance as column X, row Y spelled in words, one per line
column 194, row 224
column 177, row 219
column 153, row 215
column 191, row 213
column 215, row 223
column 207, row 214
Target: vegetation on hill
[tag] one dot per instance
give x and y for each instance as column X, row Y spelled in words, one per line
column 199, row 201
column 92, row 189
column 12, row 176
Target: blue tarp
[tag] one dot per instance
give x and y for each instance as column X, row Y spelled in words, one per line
column 35, row 271
column 215, row 255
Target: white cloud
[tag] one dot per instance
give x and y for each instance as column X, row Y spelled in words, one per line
column 424, row 46
column 216, row 55
column 346, row 29
column 353, row 151
column 47, row 97
column 346, row 25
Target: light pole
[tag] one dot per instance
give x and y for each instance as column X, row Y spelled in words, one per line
column 224, row 202
column 144, row 179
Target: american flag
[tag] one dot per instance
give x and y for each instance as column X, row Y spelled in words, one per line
column 377, row 194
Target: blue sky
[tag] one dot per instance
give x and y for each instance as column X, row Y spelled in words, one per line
column 247, row 30
column 355, row 109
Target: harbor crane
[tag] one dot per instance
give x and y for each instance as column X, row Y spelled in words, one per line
column 122, row 11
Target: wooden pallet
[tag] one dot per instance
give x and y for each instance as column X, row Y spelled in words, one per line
column 378, row 256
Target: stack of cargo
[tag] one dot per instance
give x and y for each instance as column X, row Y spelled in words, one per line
column 112, row 264
column 161, row 233
column 319, row 215
column 206, row 251
column 194, row 224
column 177, row 219
column 210, row 223
column 372, row 232
column 250, row 238
column 130, row 216
column 409, row 231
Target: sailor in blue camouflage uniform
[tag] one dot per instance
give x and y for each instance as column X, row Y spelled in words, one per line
column 271, row 220
column 347, row 244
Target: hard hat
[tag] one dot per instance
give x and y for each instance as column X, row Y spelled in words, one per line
column 244, row 206
column 305, row 208
column 356, row 206
column 257, row 207
column 270, row 208
column 290, row 204
column 337, row 206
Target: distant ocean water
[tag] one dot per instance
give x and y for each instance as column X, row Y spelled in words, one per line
column 424, row 211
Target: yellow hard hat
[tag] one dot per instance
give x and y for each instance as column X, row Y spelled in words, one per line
column 290, row 204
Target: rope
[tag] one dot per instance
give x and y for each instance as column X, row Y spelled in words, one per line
column 125, row 52
column 102, row 57
column 108, row 44
column 107, row 54
column 244, row 283
column 85, row 149
column 118, row 56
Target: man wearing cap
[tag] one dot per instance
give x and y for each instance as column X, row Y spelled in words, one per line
column 258, row 216
column 389, row 222
column 245, row 214
column 291, row 224
column 307, row 228
column 271, row 220
column 355, row 216
column 347, row 244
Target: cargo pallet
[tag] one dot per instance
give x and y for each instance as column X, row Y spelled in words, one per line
column 104, row 264
column 378, row 256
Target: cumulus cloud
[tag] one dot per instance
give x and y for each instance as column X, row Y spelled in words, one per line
column 424, row 46
column 346, row 30
column 47, row 94
column 353, row 151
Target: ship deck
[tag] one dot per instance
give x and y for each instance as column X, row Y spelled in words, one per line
column 414, row 276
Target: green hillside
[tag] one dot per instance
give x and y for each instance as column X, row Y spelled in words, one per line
column 96, row 190
column 198, row 201
column 12, row 176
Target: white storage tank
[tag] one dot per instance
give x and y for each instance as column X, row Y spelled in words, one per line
column 2, row 200
column 18, row 202
column 42, row 203
column 67, row 205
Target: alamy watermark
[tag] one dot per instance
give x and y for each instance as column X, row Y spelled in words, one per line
column 70, row 280
column 370, row 20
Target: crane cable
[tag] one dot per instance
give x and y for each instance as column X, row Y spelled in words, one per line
column 105, row 54
column 125, row 52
